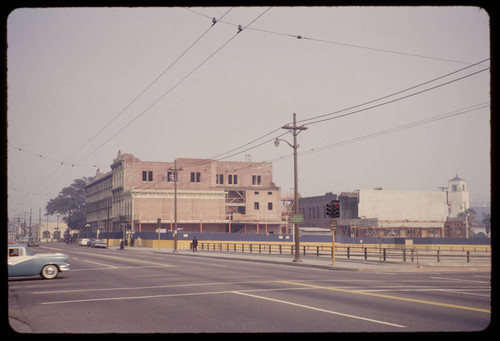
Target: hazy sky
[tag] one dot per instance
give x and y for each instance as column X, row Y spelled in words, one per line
column 163, row 83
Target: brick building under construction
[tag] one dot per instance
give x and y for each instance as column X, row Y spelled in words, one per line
column 210, row 196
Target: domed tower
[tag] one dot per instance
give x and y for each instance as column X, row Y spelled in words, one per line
column 458, row 196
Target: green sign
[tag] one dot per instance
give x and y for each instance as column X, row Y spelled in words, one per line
column 297, row 218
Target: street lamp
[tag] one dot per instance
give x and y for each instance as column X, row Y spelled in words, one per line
column 295, row 131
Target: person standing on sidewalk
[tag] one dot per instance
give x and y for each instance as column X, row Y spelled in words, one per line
column 195, row 244
column 122, row 244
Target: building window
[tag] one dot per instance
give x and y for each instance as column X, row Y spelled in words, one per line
column 147, row 175
column 270, row 206
column 255, row 205
column 219, row 179
column 256, row 179
column 232, row 179
column 195, row 176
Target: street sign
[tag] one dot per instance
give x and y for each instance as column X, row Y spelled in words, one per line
column 297, row 219
column 333, row 224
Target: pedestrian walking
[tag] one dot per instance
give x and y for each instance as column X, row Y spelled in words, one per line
column 122, row 244
column 195, row 244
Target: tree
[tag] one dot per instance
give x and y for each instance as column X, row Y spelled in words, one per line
column 487, row 223
column 70, row 203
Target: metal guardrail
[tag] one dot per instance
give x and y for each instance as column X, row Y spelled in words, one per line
column 374, row 253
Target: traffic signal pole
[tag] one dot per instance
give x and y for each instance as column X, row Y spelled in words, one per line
column 333, row 211
column 333, row 227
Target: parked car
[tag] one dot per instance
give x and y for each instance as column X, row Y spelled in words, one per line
column 30, row 241
column 33, row 242
column 98, row 243
column 24, row 240
column 23, row 262
column 83, row 241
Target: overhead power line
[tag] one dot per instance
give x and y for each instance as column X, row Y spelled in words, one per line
column 318, row 40
column 52, row 159
column 149, row 85
column 325, row 117
column 321, row 118
column 340, row 143
column 162, row 96
column 128, row 106
column 399, row 128
column 174, row 86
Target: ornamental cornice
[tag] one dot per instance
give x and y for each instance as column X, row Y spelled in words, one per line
column 181, row 194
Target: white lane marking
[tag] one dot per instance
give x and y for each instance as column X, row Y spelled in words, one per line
column 132, row 297
column 319, row 309
column 460, row 280
column 163, row 287
column 109, row 266
column 163, row 296
column 123, row 267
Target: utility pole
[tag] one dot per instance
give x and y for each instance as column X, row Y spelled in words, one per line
column 29, row 231
column 175, row 170
column 39, row 223
column 295, row 130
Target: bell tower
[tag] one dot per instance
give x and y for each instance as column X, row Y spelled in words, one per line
column 458, row 196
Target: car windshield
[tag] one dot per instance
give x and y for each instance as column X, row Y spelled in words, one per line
column 29, row 252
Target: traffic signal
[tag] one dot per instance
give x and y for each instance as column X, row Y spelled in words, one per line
column 329, row 209
column 335, row 209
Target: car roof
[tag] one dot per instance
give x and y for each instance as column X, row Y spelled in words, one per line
column 17, row 245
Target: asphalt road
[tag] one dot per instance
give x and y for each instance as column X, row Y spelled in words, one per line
column 112, row 291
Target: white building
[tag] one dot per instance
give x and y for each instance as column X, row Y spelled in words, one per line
column 458, row 196
column 412, row 209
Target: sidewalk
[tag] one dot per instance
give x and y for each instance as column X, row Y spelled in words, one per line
column 319, row 262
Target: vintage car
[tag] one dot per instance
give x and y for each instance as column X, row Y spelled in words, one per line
column 98, row 243
column 23, row 262
column 84, row 242
column 29, row 241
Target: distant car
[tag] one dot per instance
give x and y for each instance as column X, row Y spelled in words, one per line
column 98, row 243
column 33, row 242
column 84, row 241
column 23, row 262
column 29, row 241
